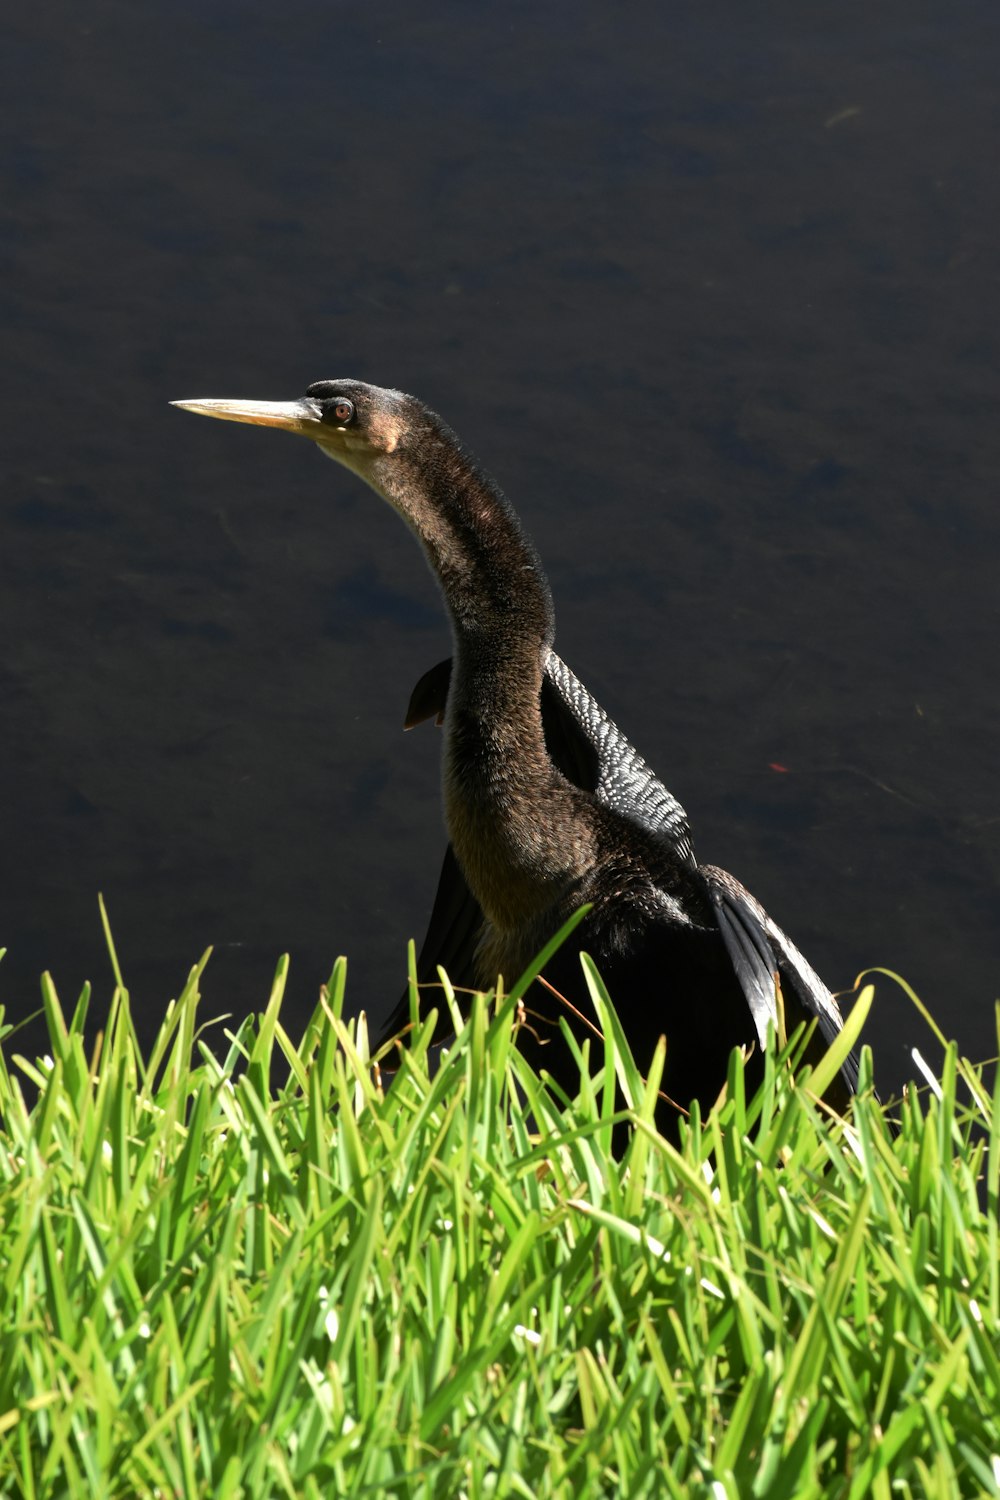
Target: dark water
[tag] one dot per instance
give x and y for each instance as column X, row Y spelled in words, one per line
column 715, row 296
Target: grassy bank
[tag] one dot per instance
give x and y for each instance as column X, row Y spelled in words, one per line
column 212, row 1285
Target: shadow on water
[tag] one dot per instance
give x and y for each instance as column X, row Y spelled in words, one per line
column 715, row 299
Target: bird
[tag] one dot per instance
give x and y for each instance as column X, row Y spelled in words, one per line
column 548, row 807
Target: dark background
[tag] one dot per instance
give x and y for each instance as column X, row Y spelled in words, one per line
column 715, row 297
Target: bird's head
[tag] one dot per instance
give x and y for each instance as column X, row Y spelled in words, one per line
column 352, row 422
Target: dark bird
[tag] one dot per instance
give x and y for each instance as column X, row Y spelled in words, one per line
column 547, row 805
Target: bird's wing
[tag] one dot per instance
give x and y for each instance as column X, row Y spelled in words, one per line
column 760, row 950
column 624, row 781
column 428, row 699
column 450, row 941
column 747, row 944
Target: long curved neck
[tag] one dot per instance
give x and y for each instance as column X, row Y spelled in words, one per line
column 504, row 801
column 489, row 572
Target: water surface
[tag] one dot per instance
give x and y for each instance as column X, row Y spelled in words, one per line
column 713, row 295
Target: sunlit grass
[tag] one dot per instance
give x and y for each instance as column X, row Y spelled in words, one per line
column 213, row 1284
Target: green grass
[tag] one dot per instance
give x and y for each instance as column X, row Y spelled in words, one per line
column 213, row 1285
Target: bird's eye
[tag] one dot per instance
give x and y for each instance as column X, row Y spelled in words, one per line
column 343, row 410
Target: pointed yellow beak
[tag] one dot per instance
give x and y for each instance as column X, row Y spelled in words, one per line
column 293, row 416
